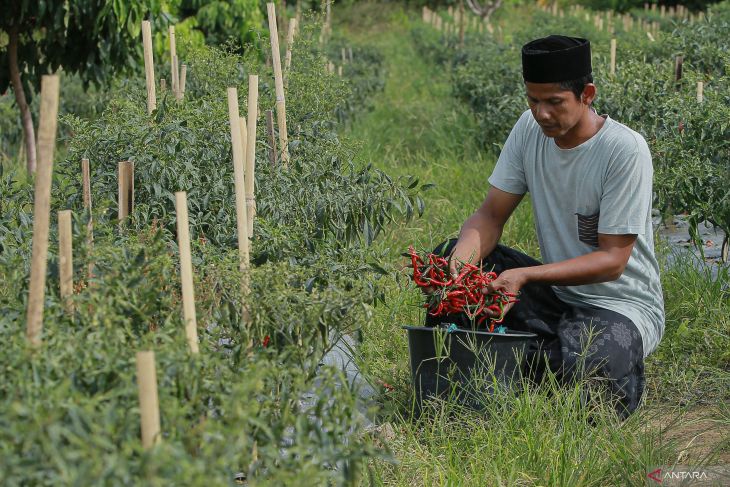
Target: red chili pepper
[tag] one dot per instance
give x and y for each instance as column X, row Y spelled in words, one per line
column 436, row 282
column 419, row 281
column 387, row 386
column 266, row 341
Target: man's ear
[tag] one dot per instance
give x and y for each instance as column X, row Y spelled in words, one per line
column 589, row 94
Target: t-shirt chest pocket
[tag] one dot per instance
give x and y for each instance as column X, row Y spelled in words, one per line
column 587, row 213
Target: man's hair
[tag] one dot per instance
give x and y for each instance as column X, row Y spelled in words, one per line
column 577, row 85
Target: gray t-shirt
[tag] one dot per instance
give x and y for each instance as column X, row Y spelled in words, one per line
column 604, row 185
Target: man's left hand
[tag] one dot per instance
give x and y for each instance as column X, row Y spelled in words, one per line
column 509, row 281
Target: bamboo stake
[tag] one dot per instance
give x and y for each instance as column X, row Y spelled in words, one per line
column 186, row 270
column 244, row 149
column 253, row 112
column 279, row 83
column 289, row 44
column 679, row 60
column 65, row 258
column 42, row 206
column 238, row 174
column 271, row 136
column 149, row 67
column 86, row 185
column 700, row 91
column 183, row 77
column 149, row 408
column 126, row 189
column 613, row 56
column 176, row 78
column 349, row 52
column 163, row 85
column 244, row 142
column 173, row 61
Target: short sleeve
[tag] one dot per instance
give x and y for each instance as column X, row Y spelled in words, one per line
column 627, row 192
column 509, row 173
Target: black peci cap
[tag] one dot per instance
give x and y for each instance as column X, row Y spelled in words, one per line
column 556, row 58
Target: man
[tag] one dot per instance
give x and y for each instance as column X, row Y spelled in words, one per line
column 596, row 303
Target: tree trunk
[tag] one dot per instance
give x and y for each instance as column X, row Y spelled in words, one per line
column 25, row 115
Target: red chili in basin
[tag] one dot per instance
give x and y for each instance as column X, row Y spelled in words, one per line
column 462, row 294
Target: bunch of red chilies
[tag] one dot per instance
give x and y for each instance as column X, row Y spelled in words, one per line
column 462, row 294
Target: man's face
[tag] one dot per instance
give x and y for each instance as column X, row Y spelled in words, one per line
column 555, row 109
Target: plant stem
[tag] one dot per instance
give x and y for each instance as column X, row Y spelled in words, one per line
column 26, row 117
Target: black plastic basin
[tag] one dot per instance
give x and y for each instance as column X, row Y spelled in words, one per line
column 463, row 365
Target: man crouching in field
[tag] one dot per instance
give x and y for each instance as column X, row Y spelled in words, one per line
column 590, row 180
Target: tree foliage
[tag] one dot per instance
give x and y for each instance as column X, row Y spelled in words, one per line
column 89, row 37
column 93, row 38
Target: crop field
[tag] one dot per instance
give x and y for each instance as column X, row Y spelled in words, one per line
column 203, row 211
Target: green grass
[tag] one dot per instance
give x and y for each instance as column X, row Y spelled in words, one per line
column 544, row 435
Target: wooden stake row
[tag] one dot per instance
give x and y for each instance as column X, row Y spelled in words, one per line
column 50, row 89
column 279, row 82
column 253, row 105
column 125, row 182
column 86, row 190
column 186, row 270
column 613, row 57
column 238, row 173
column 174, row 74
column 289, row 45
column 149, row 407
column 149, row 66
column 65, row 258
column 178, row 74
